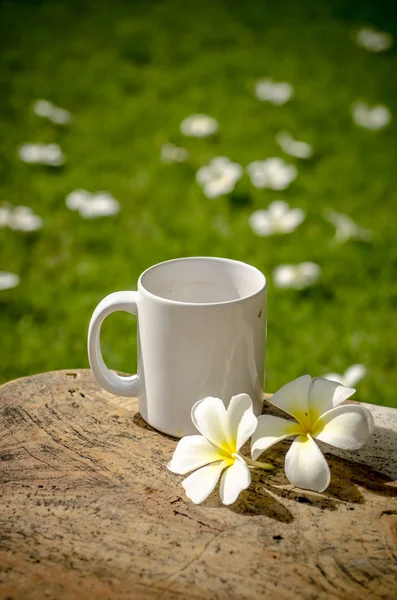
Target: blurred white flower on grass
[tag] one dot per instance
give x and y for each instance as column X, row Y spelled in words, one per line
column 346, row 228
column 273, row 173
column 44, row 108
column 20, row 218
column 44, row 154
column 92, row 206
column 219, row 177
column 350, row 377
column 293, row 147
column 199, row 126
column 170, row 153
column 277, row 218
column 299, row 276
column 268, row 90
column 373, row 40
column 8, row 280
column 374, row 118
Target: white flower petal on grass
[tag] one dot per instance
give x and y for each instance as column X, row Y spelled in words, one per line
column 200, row 484
column 101, row 205
column 305, row 465
column 367, row 117
column 171, row 153
column 199, row 126
column 273, row 173
column 346, row 228
column 293, row 147
column 5, row 213
column 193, row 452
column 44, row 154
column 8, row 280
column 223, row 431
column 373, row 40
column 345, row 427
column 277, row 218
column 268, row 90
column 23, row 218
column 219, row 177
column 234, row 480
column 92, row 206
column 44, row 108
column 311, row 402
column 77, row 198
column 298, row 276
column 350, row 377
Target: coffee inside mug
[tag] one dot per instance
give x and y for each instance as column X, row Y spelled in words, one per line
column 202, row 281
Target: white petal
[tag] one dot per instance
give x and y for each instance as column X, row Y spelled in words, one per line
column 334, row 377
column 347, row 427
column 271, row 430
column 284, row 276
column 199, row 125
column 8, row 280
column 292, row 398
column 278, row 209
column 324, row 395
column 209, row 417
column 292, row 220
column 305, row 465
column 199, row 485
column 77, row 198
column 234, row 480
column 192, row 452
column 260, row 223
column 240, row 421
column 204, row 174
column 354, row 374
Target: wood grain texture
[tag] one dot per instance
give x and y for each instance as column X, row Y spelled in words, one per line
column 88, row 510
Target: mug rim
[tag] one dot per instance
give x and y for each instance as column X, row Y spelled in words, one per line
column 142, row 289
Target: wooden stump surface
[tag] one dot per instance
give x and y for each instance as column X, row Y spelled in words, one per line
column 88, row 510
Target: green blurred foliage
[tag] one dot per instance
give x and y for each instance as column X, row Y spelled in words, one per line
column 130, row 72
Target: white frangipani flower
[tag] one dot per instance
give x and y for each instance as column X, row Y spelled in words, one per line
column 277, row 218
column 171, row 153
column 199, row 126
column 350, row 377
column 293, row 147
column 44, row 154
column 219, row 177
column 271, row 173
column 298, row 276
column 270, row 91
column 4, row 215
column 374, row 118
column 44, row 108
column 316, row 406
column 92, row 206
column 8, row 280
column 346, row 228
column 373, row 40
column 20, row 218
column 216, row 450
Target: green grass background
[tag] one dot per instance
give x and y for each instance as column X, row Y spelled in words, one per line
column 130, row 72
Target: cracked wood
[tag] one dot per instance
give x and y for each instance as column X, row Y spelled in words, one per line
column 88, row 509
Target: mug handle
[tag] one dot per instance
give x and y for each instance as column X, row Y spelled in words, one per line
column 120, row 386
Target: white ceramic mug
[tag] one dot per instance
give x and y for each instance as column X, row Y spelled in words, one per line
column 201, row 332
